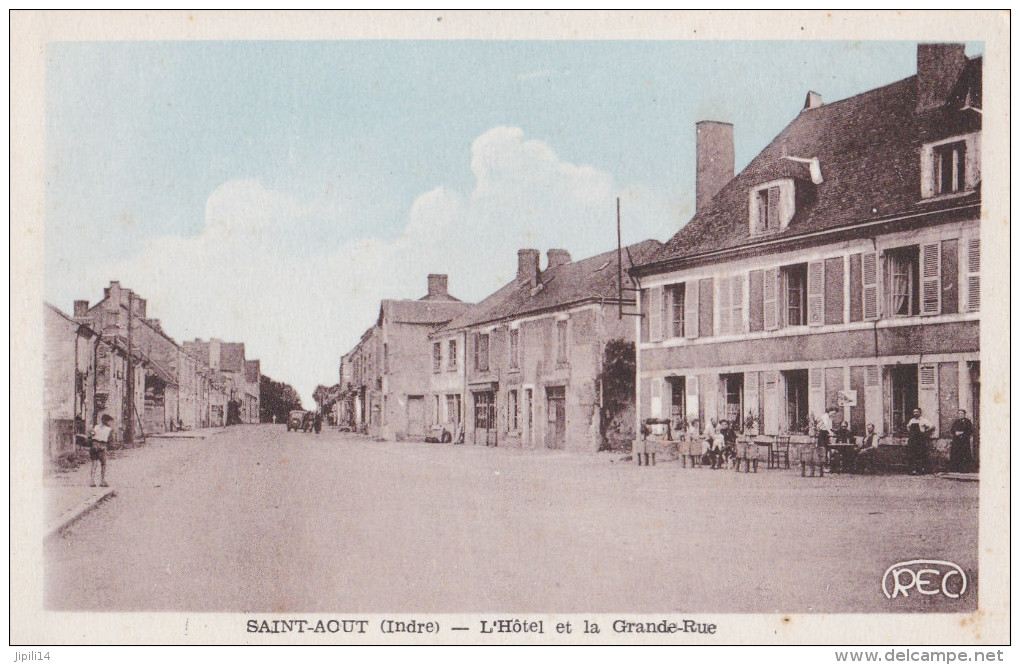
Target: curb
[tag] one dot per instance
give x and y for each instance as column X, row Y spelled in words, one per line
column 73, row 515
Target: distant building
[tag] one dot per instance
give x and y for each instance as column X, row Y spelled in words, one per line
column 234, row 379
column 841, row 268
column 385, row 391
column 70, row 380
column 525, row 361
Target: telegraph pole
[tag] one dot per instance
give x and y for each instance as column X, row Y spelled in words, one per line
column 129, row 428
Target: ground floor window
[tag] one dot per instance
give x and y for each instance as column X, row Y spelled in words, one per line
column 678, row 402
column 733, row 398
column 511, row 411
column 796, row 416
column 903, row 391
column 453, row 408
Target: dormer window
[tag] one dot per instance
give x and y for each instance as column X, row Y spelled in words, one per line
column 771, row 207
column 768, row 209
column 952, row 166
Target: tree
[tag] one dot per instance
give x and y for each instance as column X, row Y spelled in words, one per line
column 619, row 370
column 277, row 399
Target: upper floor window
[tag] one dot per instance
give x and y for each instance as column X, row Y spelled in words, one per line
column 481, row 352
column 437, row 357
column 561, row 341
column 793, row 285
column 902, row 279
column 515, row 348
column 451, row 361
column 675, row 302
column 771, row 207
column 951, row 166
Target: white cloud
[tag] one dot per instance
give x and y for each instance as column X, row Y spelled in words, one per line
column 300, row 310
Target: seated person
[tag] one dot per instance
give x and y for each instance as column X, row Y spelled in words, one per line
column 729, row 437
column 868, row 451
column 842, row 434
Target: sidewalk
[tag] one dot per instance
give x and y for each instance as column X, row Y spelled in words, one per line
column 68, row 495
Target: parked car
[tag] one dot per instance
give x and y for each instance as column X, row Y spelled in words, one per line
column 296, row 420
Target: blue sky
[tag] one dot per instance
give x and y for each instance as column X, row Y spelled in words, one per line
column 274, row 192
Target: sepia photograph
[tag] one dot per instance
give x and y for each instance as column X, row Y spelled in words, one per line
column 510, row 328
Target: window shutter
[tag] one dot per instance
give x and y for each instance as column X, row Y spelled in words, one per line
column 655, row 314
column 723, row 321
column 770, row 291
column 773, row 208
column 691, row 309
column 737, row 322
column 816, row 391
column 691, row 385
column 771, row 411
column 816, row 293
column 869, row 285
column 974, row 274
column 873, row 396
column 666, row 316
column 931, row 278
column 750, row 398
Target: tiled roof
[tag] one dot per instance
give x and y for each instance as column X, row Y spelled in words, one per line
column 590, row 278
column 868, row 147
column 421, row 311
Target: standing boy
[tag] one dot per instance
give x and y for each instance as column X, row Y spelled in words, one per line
column 97, row 453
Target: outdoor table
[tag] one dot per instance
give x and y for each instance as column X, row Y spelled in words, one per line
column 767, row 442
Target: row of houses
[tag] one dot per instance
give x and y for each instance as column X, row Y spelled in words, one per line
column 111, row 358
column 841, row 268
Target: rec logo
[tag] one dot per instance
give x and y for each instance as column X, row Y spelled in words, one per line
column 927, row 577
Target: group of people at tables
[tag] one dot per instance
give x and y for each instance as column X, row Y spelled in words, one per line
column 841, row 447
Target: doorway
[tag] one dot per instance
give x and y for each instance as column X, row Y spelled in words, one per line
column 415, row 416
column 556, row 434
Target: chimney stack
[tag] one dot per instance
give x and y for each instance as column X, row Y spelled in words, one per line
column 557, row 257
column 527, row 265
column 938, row 69
column 714, row 160
column 438, row 285
column 81, row 308
column 813, row 100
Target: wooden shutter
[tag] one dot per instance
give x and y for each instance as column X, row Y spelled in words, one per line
column 691, row 309
column 737, row 301
column 771, row 415
column 974, row 274
column 691, row 385
column 816, row 293
column 816, row 391
column 723, row 322
column 774, row 208
column 927, row 396
column 869, row 285
column 770, row 299
column 655, row 314
column 931, row 278
column 667, row 312
column 656, row 403
column 750, row 398
column 873, row 397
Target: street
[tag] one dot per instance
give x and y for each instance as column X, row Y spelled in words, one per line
column 263, row 520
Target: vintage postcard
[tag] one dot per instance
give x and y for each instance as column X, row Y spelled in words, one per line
column 571, row 328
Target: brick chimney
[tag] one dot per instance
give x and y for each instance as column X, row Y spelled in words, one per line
column 557, row 257
column 714, row 160
column 527, row 265
column 438, row 285
column 938, row 69
column 81, row 308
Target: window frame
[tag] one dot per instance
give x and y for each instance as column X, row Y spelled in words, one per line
column 437, row 357
column 561, row 341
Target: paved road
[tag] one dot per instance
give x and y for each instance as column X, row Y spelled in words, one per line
column 259, row 519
